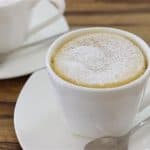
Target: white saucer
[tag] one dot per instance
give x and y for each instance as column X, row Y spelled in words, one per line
column 24, row 62
column 39, row 125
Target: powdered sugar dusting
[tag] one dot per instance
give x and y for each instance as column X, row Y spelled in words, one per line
column 99, row 59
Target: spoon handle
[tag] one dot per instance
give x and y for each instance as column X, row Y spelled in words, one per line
column 142, row 119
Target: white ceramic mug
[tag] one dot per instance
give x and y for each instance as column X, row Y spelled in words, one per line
column 92, row 112
column 15, row 19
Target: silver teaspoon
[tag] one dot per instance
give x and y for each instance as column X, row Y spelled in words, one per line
column 120, row 143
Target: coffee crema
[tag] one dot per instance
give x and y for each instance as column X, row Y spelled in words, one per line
column 99, row 60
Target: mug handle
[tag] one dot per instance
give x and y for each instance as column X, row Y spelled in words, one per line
column 145, row 113
column 59, row 4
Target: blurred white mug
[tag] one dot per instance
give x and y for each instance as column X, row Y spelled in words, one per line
column 15, row 18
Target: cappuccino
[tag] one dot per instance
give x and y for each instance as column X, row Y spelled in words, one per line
column 99, row 60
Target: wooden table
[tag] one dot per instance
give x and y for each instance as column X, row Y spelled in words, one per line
column 132, row 15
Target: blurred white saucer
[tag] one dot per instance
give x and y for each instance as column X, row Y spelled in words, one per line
column 39, row 125
column 22, row 62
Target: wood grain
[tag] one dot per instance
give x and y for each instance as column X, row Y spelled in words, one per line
column 9, row 89
column 6, row 109
column 110, row 1
column 7, row 133
column 104, row 19
column 99, row 7
column 9, row 146
column 131, row 15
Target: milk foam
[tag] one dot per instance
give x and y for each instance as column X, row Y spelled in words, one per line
column 99, row 60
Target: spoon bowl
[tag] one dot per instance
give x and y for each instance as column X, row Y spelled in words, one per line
column 119, row 143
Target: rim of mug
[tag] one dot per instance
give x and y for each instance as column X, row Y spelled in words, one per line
column 139, row 41
column 11, row 4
